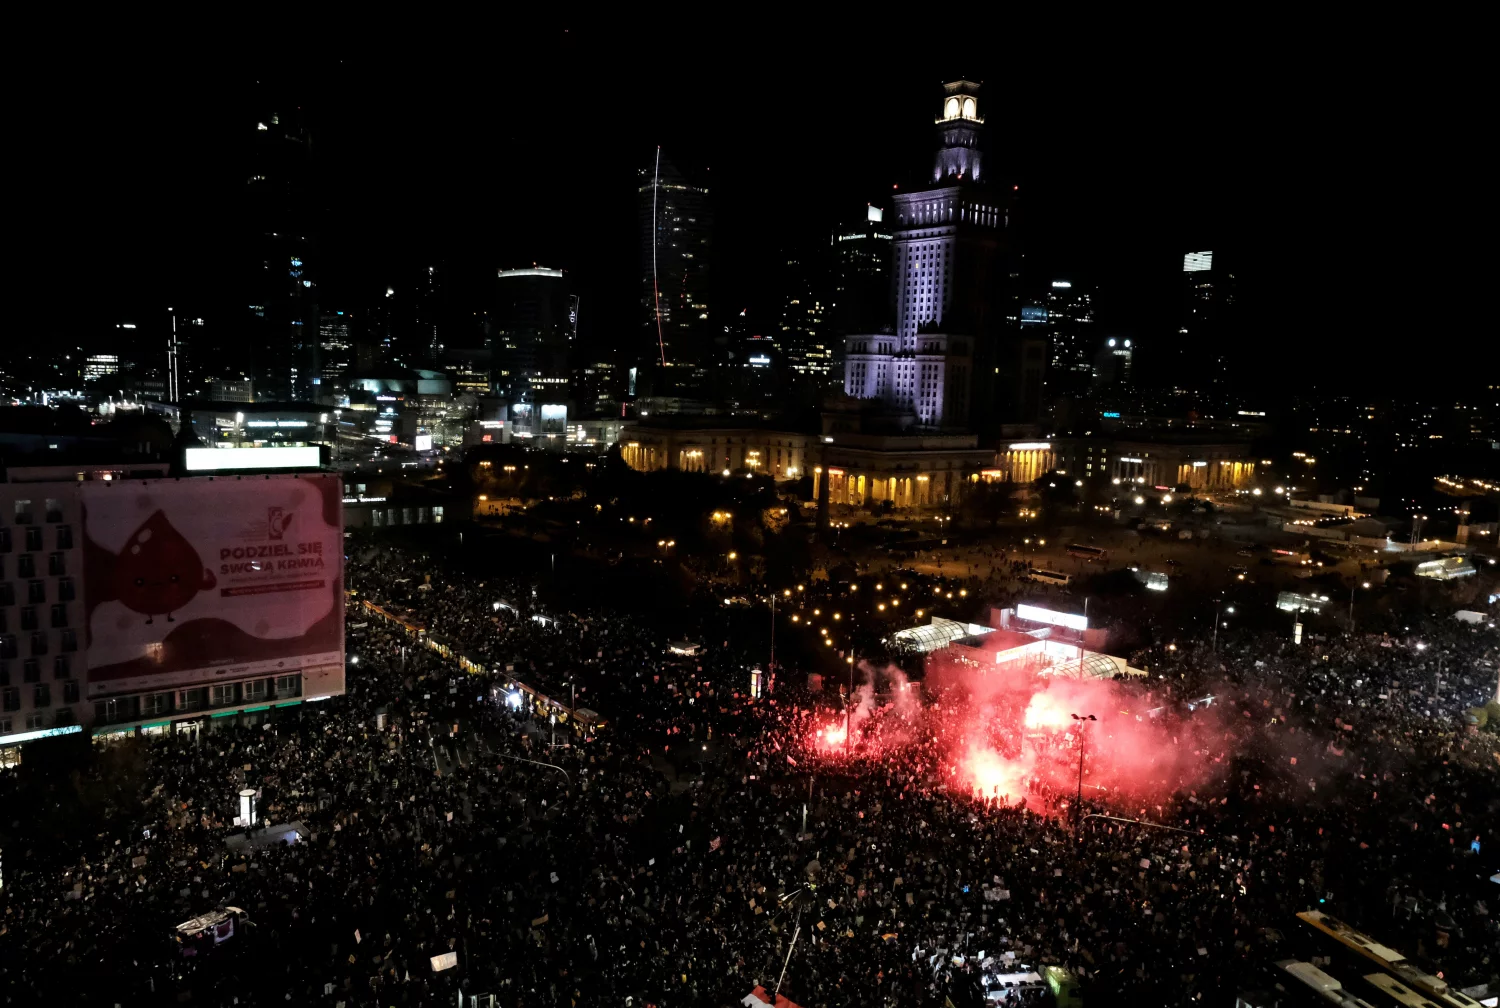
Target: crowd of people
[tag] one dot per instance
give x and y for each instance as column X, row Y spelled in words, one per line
column 691, row 847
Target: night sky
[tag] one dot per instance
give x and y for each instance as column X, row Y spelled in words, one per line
column 1341, row 176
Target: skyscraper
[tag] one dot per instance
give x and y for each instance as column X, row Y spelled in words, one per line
column 97, row 366
column 281, row 302
column 676, row 225
column 1112, row 363
column 376, row 343
column 1063, row 314
column 947, row 273
column 535, row 328
column 802, row 333
column 427, row 320
column 336, row 341
column 1207, row 339
column 862, row 276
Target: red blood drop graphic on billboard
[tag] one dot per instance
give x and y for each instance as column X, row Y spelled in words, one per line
column 158, row 572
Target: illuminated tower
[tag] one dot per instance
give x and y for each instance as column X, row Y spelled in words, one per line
column 280, row 333
column 862, row 274
column 535, row 332
column 946, row 276
column 1206, row 340
column 676, row 235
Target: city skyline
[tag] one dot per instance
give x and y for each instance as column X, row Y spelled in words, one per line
column 406, row 180
column 630, row 516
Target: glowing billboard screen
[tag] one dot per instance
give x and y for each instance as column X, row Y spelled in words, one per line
column 1193, row 262
column 214, row 580
column 223, row 459
column 1039, row 615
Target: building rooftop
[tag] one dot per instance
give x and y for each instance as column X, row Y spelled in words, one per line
column 939, row 633
column 207, row 405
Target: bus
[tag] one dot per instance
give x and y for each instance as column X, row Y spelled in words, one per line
column 1049, row 577
column 1318, row 987
column 1089, row 553
column 1361, row 949
column 1398, row 993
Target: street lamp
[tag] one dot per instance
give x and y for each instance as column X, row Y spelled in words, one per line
column 1078, row 802
column 771, row 664
column 1219, row 611
column 1365, row 585
column 848, row 706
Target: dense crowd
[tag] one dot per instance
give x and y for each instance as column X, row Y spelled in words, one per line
column 689, row 849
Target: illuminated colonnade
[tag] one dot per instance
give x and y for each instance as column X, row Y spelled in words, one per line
column 1026, row 461
column 909, row 473
column 1216, row 474
column 778, row 454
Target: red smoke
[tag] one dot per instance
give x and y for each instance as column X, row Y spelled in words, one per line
column 831, row 737
column 1009, row 735
column 886, row 709
column 1046, row 711
column 993, row 777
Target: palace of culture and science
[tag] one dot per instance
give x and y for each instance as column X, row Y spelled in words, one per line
column 947, row 394
column 949, row 260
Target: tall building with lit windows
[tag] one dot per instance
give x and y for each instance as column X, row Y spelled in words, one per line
column 948, row 263
column 282, row 321
column 862, row 274
column 535, row 332
column 1207, row 344
column 676, row 228
column 802, row 332
column 336, row 342
column 427, row 317
column 1062, row 313
column 41, row 616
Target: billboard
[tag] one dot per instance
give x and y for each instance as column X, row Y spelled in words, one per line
column 210, row 459
column 554, row 420
column 1032, row 314
column 1039, row 615
column 1195, row 262
column 209, row 580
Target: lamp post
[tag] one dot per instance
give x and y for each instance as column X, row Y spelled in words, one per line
column 849, row 708
column 1365, row 584
column 1219, row 611
column 771, row 669
column 1078, row 802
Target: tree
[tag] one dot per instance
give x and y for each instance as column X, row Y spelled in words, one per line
column 988, row 502
column 1057, row 490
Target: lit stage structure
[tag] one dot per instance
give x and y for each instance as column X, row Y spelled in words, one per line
column 1030, row 639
